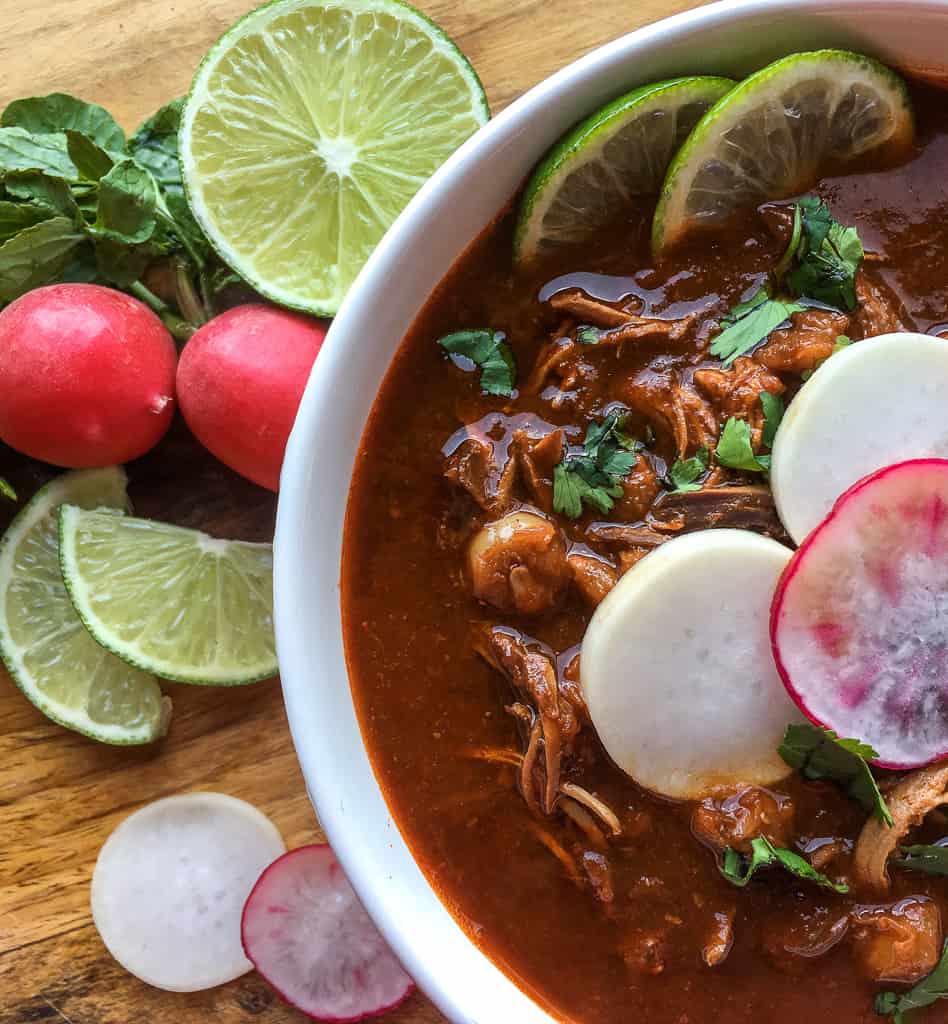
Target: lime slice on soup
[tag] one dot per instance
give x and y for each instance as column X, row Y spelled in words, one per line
column 309, row 127
column 44, row 646
column 777, row 132
column 592, row 174
column 171, row 601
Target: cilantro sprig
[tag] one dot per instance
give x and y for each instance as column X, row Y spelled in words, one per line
column 488, row 351
column 930, row 860
column 749, row 322
column 684, row 473
column 821, row 754
column 594, row 477
column 739, row 870
column 929, row 990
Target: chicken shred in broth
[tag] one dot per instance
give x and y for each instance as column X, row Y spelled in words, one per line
column 466, row 596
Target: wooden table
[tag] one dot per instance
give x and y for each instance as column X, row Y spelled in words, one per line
column 61, row 795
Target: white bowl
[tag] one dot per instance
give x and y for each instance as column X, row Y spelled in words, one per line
column 730, row 38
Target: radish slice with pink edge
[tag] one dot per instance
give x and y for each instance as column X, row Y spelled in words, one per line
column 311, row 939
column 170, row 884
column 859, row 623
column 677, row 671
column 875, row 403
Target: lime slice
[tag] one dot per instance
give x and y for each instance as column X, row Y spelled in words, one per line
column 309, row 126
column 171, row 601
column 777, row 132
column 53, row 660
column 591, row 175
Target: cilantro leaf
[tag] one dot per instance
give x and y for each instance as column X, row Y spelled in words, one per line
column 790, row 254
column 594, row 477
column 489, row 351
column 588, row 335
column 821, row 754
column 828, row 256
column 739, row 871
column 929, row 990
column 734, row 448
column 684, row 472
column 773, row 413
column 930, row 860
column 6, row 490
column 748, row 323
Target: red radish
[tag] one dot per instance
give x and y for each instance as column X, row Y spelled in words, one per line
column 240, row 381
column 86, row 376
column 306, row 932
column 859, row 622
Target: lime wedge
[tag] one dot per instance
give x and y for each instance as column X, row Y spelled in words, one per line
column 774, row 135
column 53, row 660
column 590, row 176
column 171, row 601
column 309, row 126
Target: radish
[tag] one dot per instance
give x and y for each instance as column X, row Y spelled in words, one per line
column 240, row 382
column 859, row 623
column 86, row 376
column 874, row 403
column 306, row 932
column 170, row 883
column 677, row 671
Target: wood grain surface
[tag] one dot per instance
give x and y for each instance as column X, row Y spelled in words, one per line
column 61, row 795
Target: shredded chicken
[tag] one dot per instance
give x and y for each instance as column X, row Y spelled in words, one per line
column 749, row 507
column 734, row 820
column 825, row 853
column 897, row 943
column 599, row 873
column 474, row 467
column 803, row 345
column 679, row 415
column 640, row 488
column 535, row 458
column 593, row 574
column 720, row 938
column 576, row 303
column 736, row 392
column 909, row 802
column 877, row 310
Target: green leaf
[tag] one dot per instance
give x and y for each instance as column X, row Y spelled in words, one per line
column 748, row 323
column 14, row 217
column 930, row 860
column 59, row 112
column 127, row 204
column 121, row 264
column 155, row 145
column 594, row 477
column 929, row 990
column 786, row 260
column 828, row 257
column 739, row 871
column 92, row 161
column 588, row 335
column 43, row 190
column 817, row 221
column 684, row 472
column 821, row 754
column 21, row 151
column 489, row 351
column 773, row 413
column 734, row 448
column 36, row 256
column 6, row 490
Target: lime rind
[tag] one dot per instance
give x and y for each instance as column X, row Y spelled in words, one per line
column 171, row 601
column 744, row 150
column 620, row 151
column 330, row 188
column 43, row 644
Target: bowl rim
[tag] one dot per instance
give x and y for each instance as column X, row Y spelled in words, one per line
column 297, row 475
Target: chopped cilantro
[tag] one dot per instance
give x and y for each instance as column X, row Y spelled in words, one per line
column 749, row 322
column 773, row 414
column 930, row 860
column 821, row 754
column 6, row 490
column 827, row 257
column 594, row 476
column 489, row 351
column 739, row 871
column 588, row 335
column 929, row 990
column 734, row 448
column 684, row 472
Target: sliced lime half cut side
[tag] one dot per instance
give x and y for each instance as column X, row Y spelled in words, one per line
column 776, row 133
column 589, row 178
column 43, row 643
column 171, row 601
column 309, row 127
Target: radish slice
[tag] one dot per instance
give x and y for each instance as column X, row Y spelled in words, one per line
column 875, row 403
column 309, row 936
column 169, row 885
column 860, row 619
column 677, row 670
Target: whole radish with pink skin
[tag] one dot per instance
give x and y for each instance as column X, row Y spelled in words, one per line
column 86, row 376
column 240, row 381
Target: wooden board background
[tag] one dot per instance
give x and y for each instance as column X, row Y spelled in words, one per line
column 61, row 795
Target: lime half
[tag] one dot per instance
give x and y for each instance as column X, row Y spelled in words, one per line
column 591, row 175
column 44, row 646
column 171, row 601
column 309, row 127
column 777, row 132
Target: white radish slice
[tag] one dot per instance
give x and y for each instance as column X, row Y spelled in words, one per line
column 677, row 670
column 875, row 403
column 170, row 884
column 860, row 619
column 310, row 937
